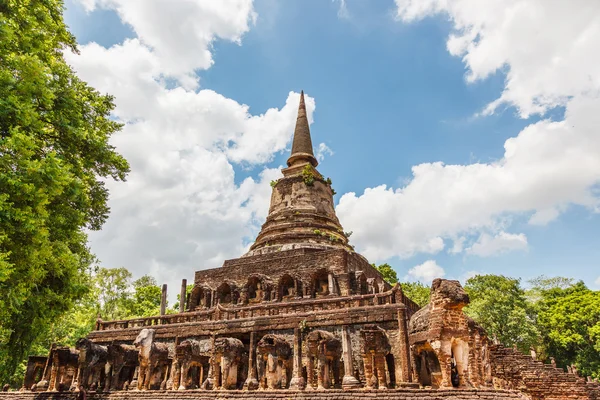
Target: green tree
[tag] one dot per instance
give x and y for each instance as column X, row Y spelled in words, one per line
column 499, row 304
column 541, row 284
column 54, row 156
column 417, row 292
column 113, row 286
column 389, row 275
column 569, row 321
column 146, row 297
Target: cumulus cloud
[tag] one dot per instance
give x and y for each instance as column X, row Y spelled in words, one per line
column 548, row 166
column 488, row 245
column 425, row 272
column 181, row 209
column 548, row 47
column 181, row 33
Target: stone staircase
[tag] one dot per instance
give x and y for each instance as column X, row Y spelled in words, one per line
column 512, row 369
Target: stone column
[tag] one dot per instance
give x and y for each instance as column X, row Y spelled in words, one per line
column 163, row 300
column 54, row 373
column 331, row 283
column 251, row 382
column 182, row 295
column 368, row 365
column 349, row 381
column 380, row 366
column 404, row 347
column 297, row 381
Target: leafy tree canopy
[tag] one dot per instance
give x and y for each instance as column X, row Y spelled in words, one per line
column 499, row 304
column 569, row 322
column 54, row 154
column 389, row 275
column 417, row 292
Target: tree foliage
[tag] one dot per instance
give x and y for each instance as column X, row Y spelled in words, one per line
column 54, row 154
column 389, row 275
column 568, row 318
column 499, row 304
column 417, row 292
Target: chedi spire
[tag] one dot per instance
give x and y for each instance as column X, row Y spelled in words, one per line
column 302, row 212
column 302, row 150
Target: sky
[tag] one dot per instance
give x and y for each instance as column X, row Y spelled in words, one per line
column 461, row 136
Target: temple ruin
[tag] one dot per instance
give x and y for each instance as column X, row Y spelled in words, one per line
column 301, row 315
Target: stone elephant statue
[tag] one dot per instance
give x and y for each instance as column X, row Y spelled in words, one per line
column 92, row 360
column 153, row 358
column 228, row 353
column 191, row 353
column 120, row 356
column 274, row 356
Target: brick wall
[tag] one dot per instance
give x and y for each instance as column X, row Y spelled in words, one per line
column 397, row 394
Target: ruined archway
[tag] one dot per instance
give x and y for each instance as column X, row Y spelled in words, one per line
column 287, row 287
column 225, row 293
column 362, row 287
column 200, row 297
column 320, row 283
column 255, row 289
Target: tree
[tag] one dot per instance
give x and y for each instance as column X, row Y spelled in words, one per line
column 417, row 292
column 389, row 275
column 569, row 321
column 542, row 284
column 113, row 286
column 499, row 304
column 146, row 297
column 54, row 156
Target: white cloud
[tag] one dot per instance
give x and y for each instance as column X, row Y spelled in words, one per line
column 180, row 33
column 458, row 245
column 488, row 245
column 549, row 52
column 425, row 272
column 181, row 209
column 597, row 282
column 322, row 151
column 548, row 47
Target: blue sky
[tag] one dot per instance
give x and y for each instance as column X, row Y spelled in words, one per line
column 389, row 95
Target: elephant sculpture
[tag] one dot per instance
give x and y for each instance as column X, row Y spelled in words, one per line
column 375, row 347
column 228, row 354
column 92, row 360
column 326, row 349
column 274, row 356
column 153, row 358
column 188, row 354
column 121, row 356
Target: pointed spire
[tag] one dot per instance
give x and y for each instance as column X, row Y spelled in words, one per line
column 302, row 150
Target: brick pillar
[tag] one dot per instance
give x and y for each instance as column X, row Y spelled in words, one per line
column 251, row 382
column 53, row 373
column 349, row 381
column 163, row 300
column 182, row 295
column 297, row 382
column 404, row 346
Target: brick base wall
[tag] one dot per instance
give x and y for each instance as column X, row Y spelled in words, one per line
column 394, row 394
